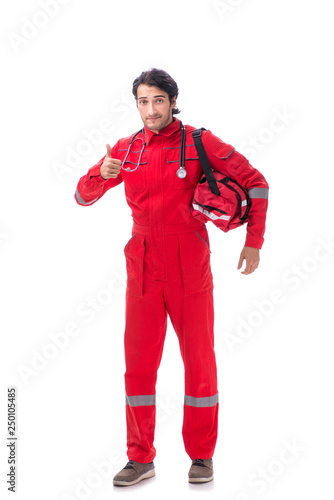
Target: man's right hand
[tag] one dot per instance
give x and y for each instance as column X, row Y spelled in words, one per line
column 110, row 167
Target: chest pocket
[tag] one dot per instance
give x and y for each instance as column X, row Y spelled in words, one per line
column 192, row 166
column 135, row 179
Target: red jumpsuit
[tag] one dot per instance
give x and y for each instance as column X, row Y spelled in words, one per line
column 169, row 273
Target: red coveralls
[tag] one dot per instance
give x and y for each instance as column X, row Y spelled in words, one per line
column 169, row 273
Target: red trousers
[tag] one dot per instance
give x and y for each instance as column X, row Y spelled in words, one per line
column 169, row 273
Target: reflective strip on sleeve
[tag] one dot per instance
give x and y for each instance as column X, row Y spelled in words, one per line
column 83, row 202
column 201, row 402
column 259, row 193
column 140, row 400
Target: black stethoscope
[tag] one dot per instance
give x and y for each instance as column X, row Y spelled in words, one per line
column 181, row 172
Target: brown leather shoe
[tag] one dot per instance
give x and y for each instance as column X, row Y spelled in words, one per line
column 201, row 471
column 134, row 472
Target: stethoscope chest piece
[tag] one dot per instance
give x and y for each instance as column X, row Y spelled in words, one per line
column 181, row 173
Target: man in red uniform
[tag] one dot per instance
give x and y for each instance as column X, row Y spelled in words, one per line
column 168, row 269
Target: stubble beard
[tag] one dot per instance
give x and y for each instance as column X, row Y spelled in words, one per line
column 163, row 124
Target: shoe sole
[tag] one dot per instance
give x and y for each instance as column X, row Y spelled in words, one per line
column 200, row 479
column 147, row 475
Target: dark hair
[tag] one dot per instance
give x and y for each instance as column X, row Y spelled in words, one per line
column 157, row 78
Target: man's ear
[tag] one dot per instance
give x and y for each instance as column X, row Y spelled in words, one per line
column 173, row 103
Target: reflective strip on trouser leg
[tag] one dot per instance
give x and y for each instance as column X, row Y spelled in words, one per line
column 140, row 414
column 140, row 400
column 201, row 402
column 200, row 425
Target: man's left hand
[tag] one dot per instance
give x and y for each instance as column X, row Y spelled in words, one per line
column 252, row 257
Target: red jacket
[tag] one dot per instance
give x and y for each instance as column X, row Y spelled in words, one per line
column 157, row 196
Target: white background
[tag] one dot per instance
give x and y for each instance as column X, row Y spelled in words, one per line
column 237, row 65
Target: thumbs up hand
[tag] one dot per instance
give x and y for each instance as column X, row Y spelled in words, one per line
column 110, row 167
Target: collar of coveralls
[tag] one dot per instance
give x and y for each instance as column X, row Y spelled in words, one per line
column 169, row 130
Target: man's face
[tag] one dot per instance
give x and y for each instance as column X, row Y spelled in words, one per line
column 154, row 107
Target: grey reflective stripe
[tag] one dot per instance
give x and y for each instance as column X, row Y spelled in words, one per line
column 259, row 193
column 224, row 157
column 210, row 214
column 140, row 400
column 83, row 202
column 201, row 402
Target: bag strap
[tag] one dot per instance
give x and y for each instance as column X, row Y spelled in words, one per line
column 197, row 136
